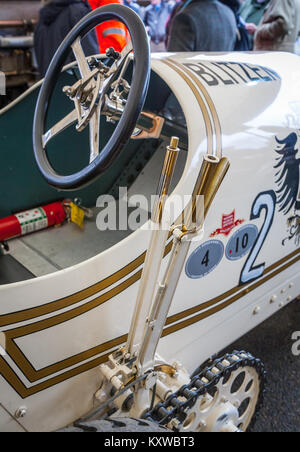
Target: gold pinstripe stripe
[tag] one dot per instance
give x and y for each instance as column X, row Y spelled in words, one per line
column 211, row 105
column 69, row 315
column 205, row 112
column 48, row 308
column 216, row 300
column 15, row 382
column 203, row 315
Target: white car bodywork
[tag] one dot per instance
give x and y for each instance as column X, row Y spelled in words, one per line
column 59, row 328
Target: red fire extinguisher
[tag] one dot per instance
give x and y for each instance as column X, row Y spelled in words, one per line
column 32, row 220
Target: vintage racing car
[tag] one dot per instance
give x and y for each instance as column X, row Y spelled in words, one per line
column 129, row 321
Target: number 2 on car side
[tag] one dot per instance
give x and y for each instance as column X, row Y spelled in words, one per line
column 264, row 201
column 247, row 239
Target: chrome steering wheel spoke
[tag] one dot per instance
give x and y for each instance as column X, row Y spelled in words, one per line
column 63, row 124
column 98, row 87
column 81, row 58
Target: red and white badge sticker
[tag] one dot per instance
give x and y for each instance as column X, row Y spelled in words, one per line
column 228, row 224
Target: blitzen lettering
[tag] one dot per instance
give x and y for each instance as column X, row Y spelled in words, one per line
column 215, row 74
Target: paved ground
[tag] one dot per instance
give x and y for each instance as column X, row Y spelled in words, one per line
column 272, row 342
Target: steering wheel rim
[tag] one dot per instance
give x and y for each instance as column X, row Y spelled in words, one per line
column 132, row 110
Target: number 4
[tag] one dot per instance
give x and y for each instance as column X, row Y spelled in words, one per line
column 206, row 259
column 265, row 201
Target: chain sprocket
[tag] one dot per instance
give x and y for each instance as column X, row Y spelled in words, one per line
column 175, row 411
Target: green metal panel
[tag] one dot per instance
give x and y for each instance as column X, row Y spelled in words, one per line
column 21, row 185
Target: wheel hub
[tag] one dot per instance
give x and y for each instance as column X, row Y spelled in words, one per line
column 222, row 418
column 230, row 408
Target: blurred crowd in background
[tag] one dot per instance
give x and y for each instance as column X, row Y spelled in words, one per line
column 32, row 30
column 185, row 25
column 221, row 25
column 176, row 26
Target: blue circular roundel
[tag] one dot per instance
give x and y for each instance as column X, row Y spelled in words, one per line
column 241, row 242
column 205, row 259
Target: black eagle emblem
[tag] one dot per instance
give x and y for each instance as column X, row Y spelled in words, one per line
column 288, row 174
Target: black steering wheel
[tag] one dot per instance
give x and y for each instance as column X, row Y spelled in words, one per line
column 101, row 88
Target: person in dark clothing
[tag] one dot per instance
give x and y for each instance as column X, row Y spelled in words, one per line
column 155, row 20
column 177, row 7
column 203, row 25
column 243, row 38
column 56, row 20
